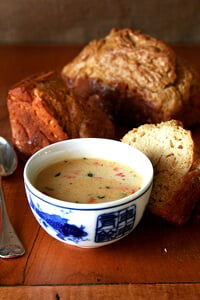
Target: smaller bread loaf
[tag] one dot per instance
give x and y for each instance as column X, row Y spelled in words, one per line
column 171, row 149
column 43, row 111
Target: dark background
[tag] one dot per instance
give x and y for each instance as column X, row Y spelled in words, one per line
column 79, row 21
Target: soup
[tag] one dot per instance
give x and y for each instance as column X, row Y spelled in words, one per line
column 88, row 180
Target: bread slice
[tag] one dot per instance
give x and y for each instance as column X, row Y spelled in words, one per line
column 171, row 149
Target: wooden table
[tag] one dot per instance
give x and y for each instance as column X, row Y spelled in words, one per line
column 156, row 261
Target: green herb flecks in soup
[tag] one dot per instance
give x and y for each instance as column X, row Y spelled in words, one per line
column 87, row 180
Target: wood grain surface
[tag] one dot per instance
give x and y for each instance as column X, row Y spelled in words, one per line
column 156, row 261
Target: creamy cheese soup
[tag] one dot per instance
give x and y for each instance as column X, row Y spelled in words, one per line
column 87, row 180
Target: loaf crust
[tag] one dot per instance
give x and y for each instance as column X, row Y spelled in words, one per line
column 43, row 111
column 34, row 123
column 179, row 209
column 136, row 77
column 171, row 149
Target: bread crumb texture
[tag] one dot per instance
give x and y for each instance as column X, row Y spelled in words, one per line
column 170, row 148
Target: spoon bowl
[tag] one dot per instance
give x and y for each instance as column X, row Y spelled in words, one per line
column 8, row 158
column 10, row 245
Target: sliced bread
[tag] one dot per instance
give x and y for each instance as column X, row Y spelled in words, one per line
column 171, row 149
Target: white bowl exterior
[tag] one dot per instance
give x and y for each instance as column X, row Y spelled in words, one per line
column 88, row 225
column 83, row 227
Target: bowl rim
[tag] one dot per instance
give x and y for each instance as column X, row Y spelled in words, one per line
column 86, row 206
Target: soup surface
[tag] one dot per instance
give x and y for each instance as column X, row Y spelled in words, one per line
column 86, row 180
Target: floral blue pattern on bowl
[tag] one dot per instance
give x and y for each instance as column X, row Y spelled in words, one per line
column 60, row 226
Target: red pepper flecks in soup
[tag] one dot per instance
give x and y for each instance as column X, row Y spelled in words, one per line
column 87, row 180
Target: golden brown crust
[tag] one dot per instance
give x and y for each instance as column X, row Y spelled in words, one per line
column 34, row 123
column 179, row 209
column 146, row 80
column 188, row 85
column 43, row 111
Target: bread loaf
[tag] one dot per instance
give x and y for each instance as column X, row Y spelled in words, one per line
column 171, row 149
column 137, row 78
column 43, row 111
column 127, row 78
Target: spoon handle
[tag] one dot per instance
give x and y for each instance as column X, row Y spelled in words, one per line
column 10, row 245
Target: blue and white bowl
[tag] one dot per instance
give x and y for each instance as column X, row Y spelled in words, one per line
column 88, row 225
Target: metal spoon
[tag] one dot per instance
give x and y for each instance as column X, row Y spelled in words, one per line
column 10, row 245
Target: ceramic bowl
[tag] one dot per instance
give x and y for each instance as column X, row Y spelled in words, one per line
column 88, row 225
